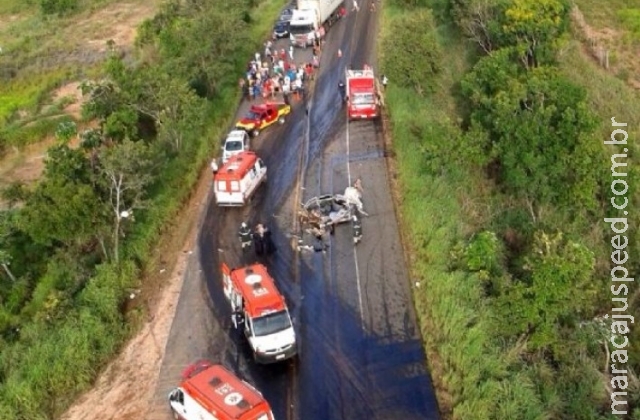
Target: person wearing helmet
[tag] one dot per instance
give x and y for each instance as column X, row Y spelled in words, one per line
column 343, row 90
column 357, row 230
column 245, row 236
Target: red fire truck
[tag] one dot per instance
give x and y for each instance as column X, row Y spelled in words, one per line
column 257, row 303
column 238, row 179
column 363, row 101
column 211, row 392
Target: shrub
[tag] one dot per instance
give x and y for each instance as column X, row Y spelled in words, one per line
column 58, row 7
column 412, row 56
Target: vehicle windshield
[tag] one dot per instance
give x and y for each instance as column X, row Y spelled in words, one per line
column 363, row 99
column 252, row 115
column 282, row 26
column 233, row 146
column 300, row 29
column 271, row 324
column 286, row 14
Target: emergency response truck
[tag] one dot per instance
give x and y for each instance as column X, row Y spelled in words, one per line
column 362, row 94
column 260, row 310
column 211, row 392
column 237, row 181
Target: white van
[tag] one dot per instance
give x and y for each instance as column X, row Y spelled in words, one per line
column 237, row 141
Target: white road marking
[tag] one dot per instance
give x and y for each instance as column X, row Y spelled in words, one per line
column 355, row 249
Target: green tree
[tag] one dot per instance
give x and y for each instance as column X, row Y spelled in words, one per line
column 534, row 27
column 64, row 208
column 412, row 53
column 540, row 130
column 125, row 172
column 557, row 290
column 172, row 105
column 213, row 60
column 479, row 21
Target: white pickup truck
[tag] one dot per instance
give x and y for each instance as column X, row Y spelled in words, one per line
column 237, row 141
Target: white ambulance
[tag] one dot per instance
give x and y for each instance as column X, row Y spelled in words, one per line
column 211, row 392
column 238, row 179
column 260, row 309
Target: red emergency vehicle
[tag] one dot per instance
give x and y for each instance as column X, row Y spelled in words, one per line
column 211, row 392
column 260, row 309
column 236, row 182
column 362, row 94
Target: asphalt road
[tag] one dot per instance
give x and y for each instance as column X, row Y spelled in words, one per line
column 361, row 354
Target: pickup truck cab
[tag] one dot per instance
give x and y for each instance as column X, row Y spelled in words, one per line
column 237, row 141
column 262, row 116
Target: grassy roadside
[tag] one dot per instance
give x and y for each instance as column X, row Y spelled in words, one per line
column 444, row 203
column 434, row 220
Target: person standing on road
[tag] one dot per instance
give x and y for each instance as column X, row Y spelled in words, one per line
column 245, row 236
column 343, row 90
column 258, row 239
column 384, row 82
column 214, row 166
column 356, row 8
column 357, row 230
column 291, row 53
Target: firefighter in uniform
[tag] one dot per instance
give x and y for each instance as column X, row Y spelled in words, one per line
column 357, row 230
column 245, row 236
column 343, row 91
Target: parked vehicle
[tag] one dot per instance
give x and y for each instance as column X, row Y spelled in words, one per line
column 237, row 141
column 281, row 30
column 310, row 18
column 211, row 392
column 262, row 116
column 362, row 94
column 285, row 15
column 260, row 310
column 237, row 181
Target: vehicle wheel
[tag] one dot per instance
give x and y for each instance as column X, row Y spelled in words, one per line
column 281, row 120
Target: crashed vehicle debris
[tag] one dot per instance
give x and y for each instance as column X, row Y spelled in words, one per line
column 321, row 214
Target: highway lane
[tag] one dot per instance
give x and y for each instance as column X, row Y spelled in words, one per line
column 363, row 355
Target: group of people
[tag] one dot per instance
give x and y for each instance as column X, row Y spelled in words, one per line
column 275, row 72
column 260, row 238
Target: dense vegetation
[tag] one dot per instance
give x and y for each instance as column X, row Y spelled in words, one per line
column 74, row 245
column 504, row 186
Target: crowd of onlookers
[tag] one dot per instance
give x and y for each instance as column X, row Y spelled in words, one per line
column 275, row 73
